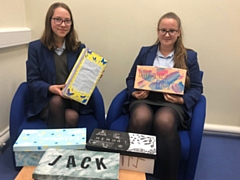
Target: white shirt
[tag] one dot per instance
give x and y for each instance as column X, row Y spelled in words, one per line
column 60, row 50
column 161, row 61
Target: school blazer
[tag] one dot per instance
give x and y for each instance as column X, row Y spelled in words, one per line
column 41, row 73
column 147, row 55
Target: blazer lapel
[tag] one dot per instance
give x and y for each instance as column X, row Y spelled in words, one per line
column 151, row 55
column 71, row 59
column 49, row 57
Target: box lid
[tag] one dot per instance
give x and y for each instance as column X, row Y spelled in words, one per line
column 41, row 139
column 125, row 143
column 77, row 164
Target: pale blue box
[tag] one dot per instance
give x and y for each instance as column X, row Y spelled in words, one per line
column 32, row 143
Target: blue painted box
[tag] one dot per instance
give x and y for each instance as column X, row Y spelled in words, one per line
column 32, row 143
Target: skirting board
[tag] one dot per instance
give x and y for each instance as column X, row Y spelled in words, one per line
column 222, row 129
column 14, row 36
column 4, row 136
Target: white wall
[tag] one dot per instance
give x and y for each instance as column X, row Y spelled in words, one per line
column 117, row 30
column 12, row 59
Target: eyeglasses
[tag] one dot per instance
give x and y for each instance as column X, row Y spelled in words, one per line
column 59, row 21
column 171, row 32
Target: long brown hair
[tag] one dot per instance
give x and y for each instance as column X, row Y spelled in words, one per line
column 180, row 53
column 71, row 39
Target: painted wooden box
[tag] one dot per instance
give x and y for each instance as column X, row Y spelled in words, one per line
column 160, row 79
column 138, row 151
column 32, row 143
column 77, row 164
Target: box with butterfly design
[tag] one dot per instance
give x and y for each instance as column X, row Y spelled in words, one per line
column 84, row 76
column 137, row 151
column 32, row 143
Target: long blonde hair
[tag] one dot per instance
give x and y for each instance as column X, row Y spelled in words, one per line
column 180, row 53
column 71, row 39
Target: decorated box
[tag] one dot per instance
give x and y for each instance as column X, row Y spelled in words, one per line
column 138, row 151
column 160, row 79
column 77, row 164
column 32, row 143
column 84, row 76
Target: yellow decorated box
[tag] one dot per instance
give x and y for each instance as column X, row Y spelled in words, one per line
column 32, row 143
column 84, row 76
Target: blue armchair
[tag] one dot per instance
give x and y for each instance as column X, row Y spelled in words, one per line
column 190, row 139
column 21, row 102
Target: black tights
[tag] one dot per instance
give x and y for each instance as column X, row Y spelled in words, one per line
column 163, row 122
column 62, row 113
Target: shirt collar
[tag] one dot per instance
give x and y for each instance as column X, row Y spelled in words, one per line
column 60, row 50
column 159, row 54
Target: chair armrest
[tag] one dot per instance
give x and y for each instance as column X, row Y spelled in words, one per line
column 198, row 117
column 18, row 110
column 97, row 104
column 195, row 134
column 116, row 107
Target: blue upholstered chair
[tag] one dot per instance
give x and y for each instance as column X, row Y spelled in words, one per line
column 190, row 139
column 21, row 102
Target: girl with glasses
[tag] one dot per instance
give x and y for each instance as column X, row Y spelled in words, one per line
column 163, row 114
column 49, row 63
